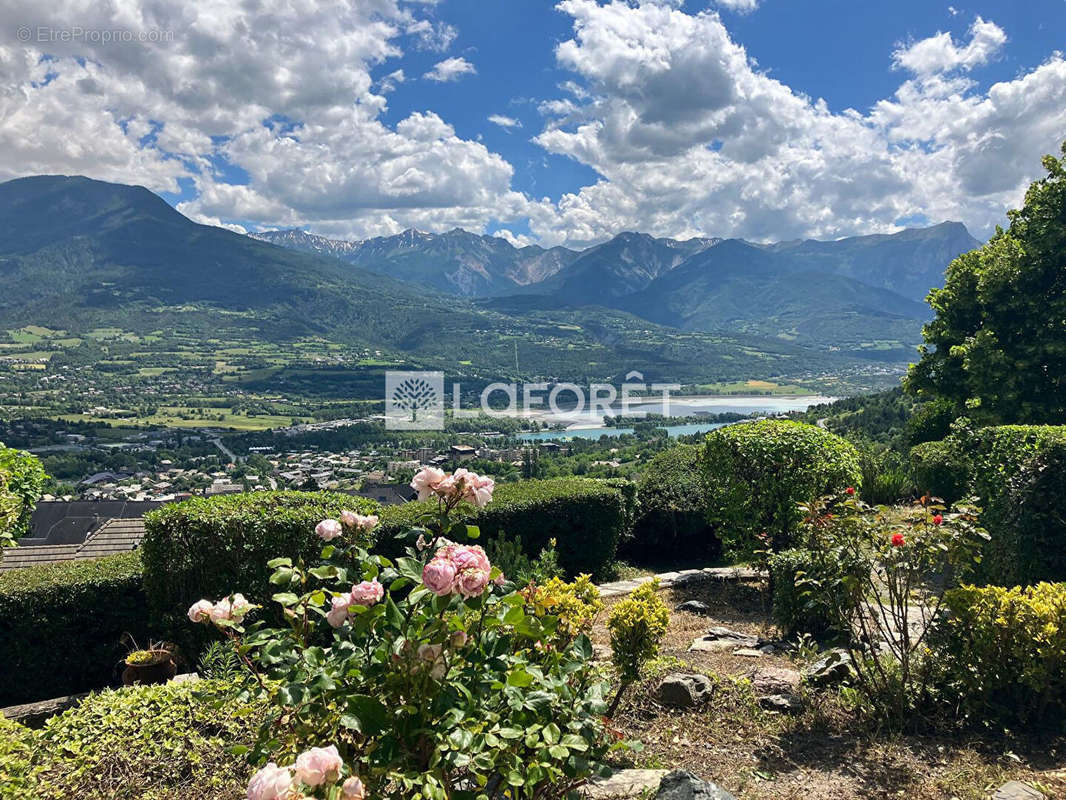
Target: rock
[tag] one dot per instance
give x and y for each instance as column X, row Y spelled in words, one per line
column 185, row 677
column 833, row 667
column 34, row 715
column 775, row 680
column 625, row 783
column 684, row 690
column 1016, row 790
column 786, row 703
column 694, row 607
column 683, row 785
column 708, row 645
column 601, row 652
column 748, row 652
column 719, row 638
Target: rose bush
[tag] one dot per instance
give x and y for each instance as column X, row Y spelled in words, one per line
column 423, row 677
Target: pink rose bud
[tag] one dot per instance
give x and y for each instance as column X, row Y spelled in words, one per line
column 270, row 783
column 439, row 576
column 200, row 611
column 318, row 765
column 352, row 789
column 328, row 530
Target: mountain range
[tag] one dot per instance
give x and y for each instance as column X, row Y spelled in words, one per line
column 79, row 255
column 859, row 292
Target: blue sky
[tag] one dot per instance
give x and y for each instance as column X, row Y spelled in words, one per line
column 545, row 122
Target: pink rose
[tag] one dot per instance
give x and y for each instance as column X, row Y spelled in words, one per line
column 367, row 593
column 200, row 611
column 439, row 576
column 472, row 582
column 239, row 606
column 270, row 783
column 338, row 614
column 477, row 489
column 319, row 765
column 352, row 789
column 426, row 481
column 328, row 530
column 221, row 610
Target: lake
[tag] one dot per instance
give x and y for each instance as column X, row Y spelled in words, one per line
column 587, row 427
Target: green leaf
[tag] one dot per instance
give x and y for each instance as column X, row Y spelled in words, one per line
column 285, row 598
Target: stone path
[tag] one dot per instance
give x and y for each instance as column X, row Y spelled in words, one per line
column 668, row 579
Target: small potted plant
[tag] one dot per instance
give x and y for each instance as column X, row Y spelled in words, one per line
column 155, row 664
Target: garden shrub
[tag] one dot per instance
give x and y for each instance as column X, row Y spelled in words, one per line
column 757, row 474
column 169, row 742
column 941, row 469
column 672, row 509
column 798, row 610
column 21, row 482
column 61, row 625
column 1000, row 456
column 1000, row 654
column 18, row 774
column 585, row 517
column 206, row 547
column 637, row 624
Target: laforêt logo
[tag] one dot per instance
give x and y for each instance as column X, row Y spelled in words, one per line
column 414, row 401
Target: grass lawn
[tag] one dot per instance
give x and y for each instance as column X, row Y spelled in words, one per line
column 822, row 753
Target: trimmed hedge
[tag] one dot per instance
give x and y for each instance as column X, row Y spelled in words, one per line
column 672, row 508
column 1000, row 654
column 756, row 475
column 1026, row 523
column 586, row 517
column 213, row 547
column 941, row 469
column 61, row 625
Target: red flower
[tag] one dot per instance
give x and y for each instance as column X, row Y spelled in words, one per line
column 849, row 491
column 937, row 519
column 898, row 540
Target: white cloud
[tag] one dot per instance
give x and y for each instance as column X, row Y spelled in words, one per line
column 688, row 137
column 739, row 6
column 435, row 36
column 504, row 122
column 939, row 53
column 278, row 93
column 450, row 69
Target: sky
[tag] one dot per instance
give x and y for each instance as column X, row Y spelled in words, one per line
column 543, row 122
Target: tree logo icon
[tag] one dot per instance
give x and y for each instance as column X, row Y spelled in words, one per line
column 414, row 400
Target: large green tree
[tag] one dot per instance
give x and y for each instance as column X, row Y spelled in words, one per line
column 996, row 349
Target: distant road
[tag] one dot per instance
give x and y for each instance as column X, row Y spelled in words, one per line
column 225, row 450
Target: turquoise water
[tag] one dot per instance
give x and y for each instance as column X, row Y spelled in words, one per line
column 596, row 433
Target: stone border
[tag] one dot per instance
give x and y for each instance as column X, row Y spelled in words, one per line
column 671, row 579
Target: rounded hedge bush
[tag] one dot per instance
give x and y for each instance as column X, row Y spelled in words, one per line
column 756, row 475
column 672, row 508
column 61, row 625
column 941, row 469
column 212, row 547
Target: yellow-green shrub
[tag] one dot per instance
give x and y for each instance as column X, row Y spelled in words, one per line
column 637, row 624
column 1001, row 653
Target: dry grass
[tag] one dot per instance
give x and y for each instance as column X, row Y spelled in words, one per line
column 824, row 753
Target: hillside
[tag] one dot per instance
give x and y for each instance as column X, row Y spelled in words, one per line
column 112, row 278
